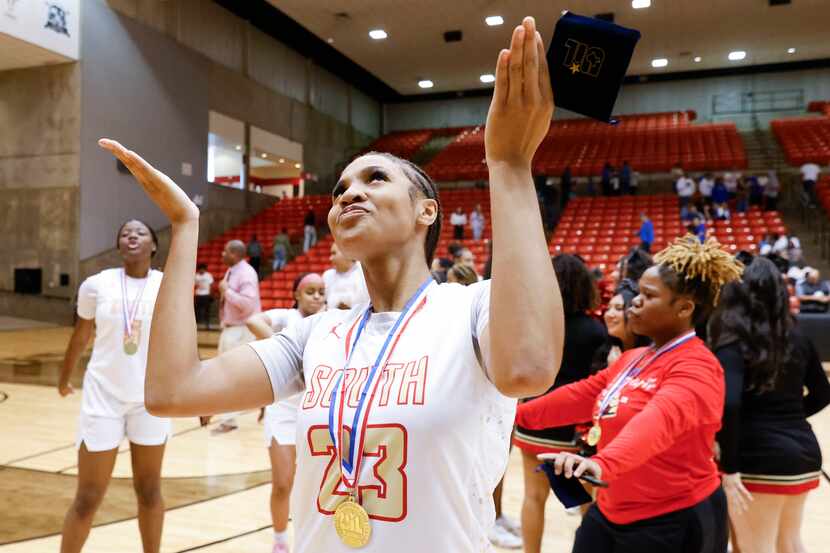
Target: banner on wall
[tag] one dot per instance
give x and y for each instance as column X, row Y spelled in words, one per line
column 50, row 24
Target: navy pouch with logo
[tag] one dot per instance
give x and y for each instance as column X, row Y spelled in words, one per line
column 588, row 59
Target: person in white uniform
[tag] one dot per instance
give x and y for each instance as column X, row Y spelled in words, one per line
column 345, row 285
column 117, row 306
column 408, row 402
column 281, row 417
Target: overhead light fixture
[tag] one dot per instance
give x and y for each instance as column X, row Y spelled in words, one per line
column 238, row 147
column 737, row 55
column 640, row 4
column 791, row 50
column 659, row 62
column 488, row 78
column 297, row 165
column 697, row 59
column 494, row 20
column 282, row 160
column 378, row 34
column 263, row 155
column 426, row 83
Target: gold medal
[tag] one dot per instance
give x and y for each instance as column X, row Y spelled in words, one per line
column 352, row 524
column 594, row 434
column 130, row 347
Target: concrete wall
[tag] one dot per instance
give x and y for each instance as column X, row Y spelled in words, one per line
column 39, row 160
column 633, row 98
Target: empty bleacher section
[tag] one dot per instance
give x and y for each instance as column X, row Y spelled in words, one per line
column 601, row 230
column 804, row 139
column 403, row 144
column 652, row 142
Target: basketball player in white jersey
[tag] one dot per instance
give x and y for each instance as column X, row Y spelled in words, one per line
column 117, row 305
column 281, row 417
column 407, row 403
column 345, row 285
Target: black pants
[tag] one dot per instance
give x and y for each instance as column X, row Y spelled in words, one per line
column 458, row 232
column 702, row 528
column 202, row 304
column 645, row 246
column 255, row 263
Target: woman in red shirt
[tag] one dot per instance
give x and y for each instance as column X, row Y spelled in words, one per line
column 655, row 412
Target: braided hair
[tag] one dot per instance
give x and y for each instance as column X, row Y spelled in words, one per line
column 699, row 270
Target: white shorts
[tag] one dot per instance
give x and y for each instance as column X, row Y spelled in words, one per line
column 105, row 421
column 281, row 421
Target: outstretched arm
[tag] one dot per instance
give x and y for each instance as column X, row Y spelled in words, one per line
column 526, row 328
column 177, row 382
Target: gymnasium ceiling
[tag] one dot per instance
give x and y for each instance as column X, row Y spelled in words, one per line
column 678, row 30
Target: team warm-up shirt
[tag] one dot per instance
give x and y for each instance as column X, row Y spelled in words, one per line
column 656, row 449
column 99, row 298
column 347, row 288
column 438, row 430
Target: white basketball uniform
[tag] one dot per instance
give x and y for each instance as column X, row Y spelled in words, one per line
column 281, row 416
column 112, row 403
column 438, row 430
column 347, row 288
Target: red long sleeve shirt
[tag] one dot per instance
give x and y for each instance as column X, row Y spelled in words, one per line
column 656, row 448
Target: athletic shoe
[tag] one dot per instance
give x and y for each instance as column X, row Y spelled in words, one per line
column 512, row 526
column 504, row 539
column 280, row 548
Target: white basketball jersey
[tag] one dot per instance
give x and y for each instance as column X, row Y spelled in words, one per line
column 438, row 431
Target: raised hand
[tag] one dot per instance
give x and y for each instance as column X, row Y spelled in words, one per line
column 522, row 104
column 165, row 193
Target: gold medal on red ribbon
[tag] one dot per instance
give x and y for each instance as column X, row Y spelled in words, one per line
column 594, row 435
column 352, row 524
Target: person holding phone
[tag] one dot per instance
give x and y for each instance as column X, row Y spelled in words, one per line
column 415, row 389
column 654, row 412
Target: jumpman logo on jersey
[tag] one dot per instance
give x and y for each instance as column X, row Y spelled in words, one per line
column 334, row 331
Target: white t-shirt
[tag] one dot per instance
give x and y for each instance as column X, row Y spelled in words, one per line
column 99, row 298
column 203, row 282
column 281, row 319
column 348, row 288
column 730, row 180
column 810, row 171
column 705, row 186
column 780, row 245
column 458, row 219
column 685, row 187
column 438, row 431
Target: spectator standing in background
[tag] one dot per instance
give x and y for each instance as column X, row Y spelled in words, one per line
column 309, row 231
column 255, row 254
column 771, row 190
column 741, row 196
column 705, row 187
column 605, row 179
column 566, row 187
column 646, row 233
column 458, row 220
column 477, row 222
column 238, row 301
column 625, row 178
column 676, row 172
column 282, row 249
column 813, row 293
column 730, row 179
column 201, row 295
column 809, row 177
column 756, row 189
column 685, row 190
column 699, row 229
column 721, row 213
column 720, row 194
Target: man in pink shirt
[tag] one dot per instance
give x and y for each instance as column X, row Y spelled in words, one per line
column 239, row 300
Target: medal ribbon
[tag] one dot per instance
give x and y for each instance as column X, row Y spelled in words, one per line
column 130, row 312
column 632, row 371
column 350, row 465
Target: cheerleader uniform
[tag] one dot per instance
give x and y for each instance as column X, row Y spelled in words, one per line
column 583, row 336
column 766, row 436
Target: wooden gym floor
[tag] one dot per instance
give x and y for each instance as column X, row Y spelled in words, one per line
column 216, row 488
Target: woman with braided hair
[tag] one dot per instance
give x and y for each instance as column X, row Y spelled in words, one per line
column 655, row 412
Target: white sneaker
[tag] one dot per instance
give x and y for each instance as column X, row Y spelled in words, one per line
column 512, row 526
column 504, row 539
column 280, row 548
